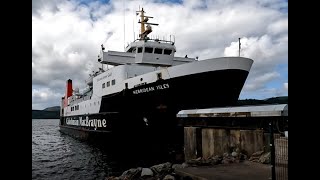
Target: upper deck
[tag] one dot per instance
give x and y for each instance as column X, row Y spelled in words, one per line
column 145, row 50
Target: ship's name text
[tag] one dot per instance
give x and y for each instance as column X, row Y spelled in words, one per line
column 151, row 88
column 105, row 76
column 87, row 122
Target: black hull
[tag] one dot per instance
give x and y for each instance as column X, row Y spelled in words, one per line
column 151, row 109
column 203, row 90
column 167, row 97
column 121, row 127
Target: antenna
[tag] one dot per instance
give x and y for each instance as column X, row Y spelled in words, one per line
column 124, row 25
column 144, row 30
column 239, row 47
column 133, row 27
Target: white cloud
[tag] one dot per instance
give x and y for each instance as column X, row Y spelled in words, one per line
column 66, row 35
column 50, row 5
column 260, row 81
column 45, row 97
column 268, row 52
column 285, row 86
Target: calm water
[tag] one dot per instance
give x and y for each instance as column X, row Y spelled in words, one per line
column 59, row 156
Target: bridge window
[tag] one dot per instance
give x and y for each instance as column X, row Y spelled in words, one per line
column 133, row 50
column 167, row 51
column 148, row 50
column 139, row 49
column 158, row 51
column 159, row 76
column 103, row 85
column 113, row 82
column 108, row 83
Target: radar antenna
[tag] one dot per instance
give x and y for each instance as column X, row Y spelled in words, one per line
column 144, row 30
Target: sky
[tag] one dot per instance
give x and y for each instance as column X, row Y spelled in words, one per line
column 67, row 36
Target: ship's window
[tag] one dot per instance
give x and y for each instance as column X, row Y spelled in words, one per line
column 139, row 49
column 159, row 75
column 113, row 82
column 108, row 83
column 133, row 49
column 148, row 50
column 126, row 84
column 158, row 51
column 103, row 85
column 167, row 51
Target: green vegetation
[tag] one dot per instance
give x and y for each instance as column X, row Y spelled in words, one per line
column 47, row 113
column 273, row 100
column 54, row 112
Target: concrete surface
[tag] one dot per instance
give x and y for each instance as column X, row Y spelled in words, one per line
column 236, row 171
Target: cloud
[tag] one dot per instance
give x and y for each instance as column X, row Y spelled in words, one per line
column 66, row 35
column 268, row 52
column 45, row 97
column 285, row 86
column 260, row 81
column 50, row 5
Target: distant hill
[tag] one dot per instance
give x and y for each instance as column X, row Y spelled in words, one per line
column 273, row 100
column 47, row 113
column 278, row 100
column 54, row 108
column 54, row 112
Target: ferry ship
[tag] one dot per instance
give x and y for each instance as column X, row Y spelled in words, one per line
column 147, row 86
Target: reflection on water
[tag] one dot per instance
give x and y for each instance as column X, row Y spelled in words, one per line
column 59, row 156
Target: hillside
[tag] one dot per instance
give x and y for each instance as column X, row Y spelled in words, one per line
column 273, row 100
column 54, row 112
column 47, row 113
column 54, row 108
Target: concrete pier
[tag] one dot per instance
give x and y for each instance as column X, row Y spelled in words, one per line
column 192, row 142
column 210, row 132
column 218, row 141
column 245, row 130
column 237, row 171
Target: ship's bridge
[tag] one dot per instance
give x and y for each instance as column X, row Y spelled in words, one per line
column 147, row 51
column 152, row 52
